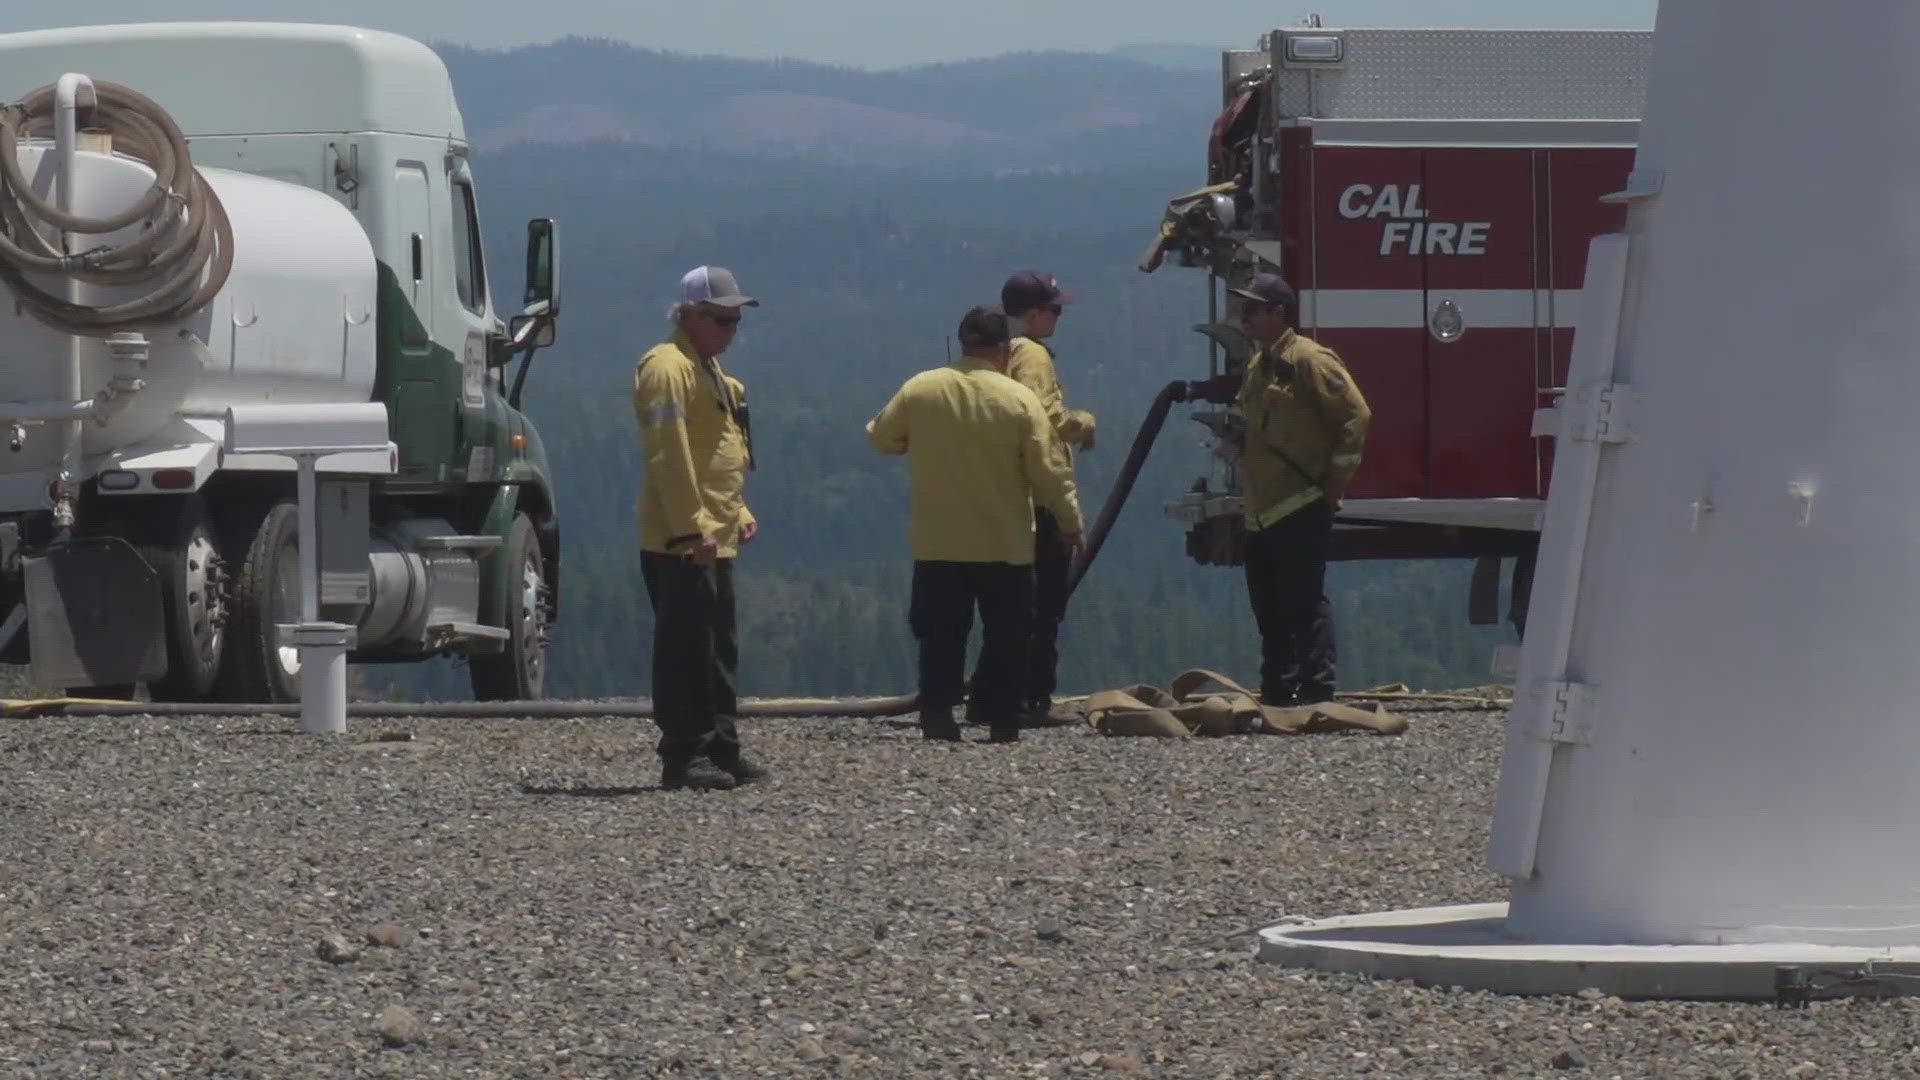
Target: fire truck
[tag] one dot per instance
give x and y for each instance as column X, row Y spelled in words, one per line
column 1430, row 195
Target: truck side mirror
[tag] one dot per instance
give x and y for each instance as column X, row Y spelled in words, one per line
column 529, row 331
column 535, row 327
column 543, row 269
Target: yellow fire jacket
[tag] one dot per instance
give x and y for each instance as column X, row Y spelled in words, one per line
column 1032, row 367
column 692, row 418
column 1306, row 427
column 978, row 460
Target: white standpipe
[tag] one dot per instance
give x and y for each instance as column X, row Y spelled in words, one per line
column 1715, row 739
column 308, row 433
column 323, row 645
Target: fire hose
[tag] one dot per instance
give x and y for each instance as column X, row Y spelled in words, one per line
column 181, row 256
column 781, row 708
column 785, row 708
column 771, row 708
column 788, row 708
column 1143, row 439
column 766, row 709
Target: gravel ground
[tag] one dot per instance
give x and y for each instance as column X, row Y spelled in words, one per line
column 222, row 898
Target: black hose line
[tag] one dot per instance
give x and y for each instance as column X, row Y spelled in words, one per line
column 1177, row 390
column 790, row 708
column 806, row 708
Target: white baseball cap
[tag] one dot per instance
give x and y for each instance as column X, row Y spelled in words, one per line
column 713, row 285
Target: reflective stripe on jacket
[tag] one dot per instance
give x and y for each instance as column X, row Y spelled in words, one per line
column 1305, row 415
column 696, row 453
column 978, row 460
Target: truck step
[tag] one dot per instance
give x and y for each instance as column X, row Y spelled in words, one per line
column 484, row 639
column 457, row 543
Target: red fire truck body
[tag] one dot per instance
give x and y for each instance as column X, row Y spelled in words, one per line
column 1430, row 195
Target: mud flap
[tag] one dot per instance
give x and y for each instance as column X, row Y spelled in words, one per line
column 94, row 615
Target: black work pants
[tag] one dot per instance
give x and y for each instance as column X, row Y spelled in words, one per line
column 695, row 655
column 1051, row 560
column 1050, row 563
column 1286, row 582
column 941, row 615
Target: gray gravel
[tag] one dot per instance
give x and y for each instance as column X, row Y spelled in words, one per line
column 514, row 898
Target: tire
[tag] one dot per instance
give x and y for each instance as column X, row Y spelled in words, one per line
column 519, row 671
column 265, row 593
column 187, row 553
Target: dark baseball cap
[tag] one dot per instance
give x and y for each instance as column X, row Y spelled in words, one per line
column 1030, row 289
column 1267, row 289
column 983, row 327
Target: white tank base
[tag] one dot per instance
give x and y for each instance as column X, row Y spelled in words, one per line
column 1467, row 945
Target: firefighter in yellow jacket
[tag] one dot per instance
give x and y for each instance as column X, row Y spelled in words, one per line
column 693, row 519
column 980, row 458
column 1033, row 303
column 1306, row 424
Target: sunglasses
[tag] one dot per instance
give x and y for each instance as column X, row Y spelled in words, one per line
column 723, row 320
column 1055, row 308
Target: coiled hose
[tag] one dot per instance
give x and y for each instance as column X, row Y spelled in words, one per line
column 181, row 256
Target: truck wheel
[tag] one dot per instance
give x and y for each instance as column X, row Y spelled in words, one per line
column 266, row 593
column 186, row 553
column 519, row 671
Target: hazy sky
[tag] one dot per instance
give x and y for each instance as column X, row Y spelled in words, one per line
column 864, row 33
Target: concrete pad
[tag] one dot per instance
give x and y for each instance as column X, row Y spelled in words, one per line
column 1467, row 945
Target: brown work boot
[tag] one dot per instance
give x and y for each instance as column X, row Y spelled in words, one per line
column 1004, row 733
column 696, row 773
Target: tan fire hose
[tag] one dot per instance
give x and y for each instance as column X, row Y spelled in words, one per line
column 1202, row 702
column 182, row 255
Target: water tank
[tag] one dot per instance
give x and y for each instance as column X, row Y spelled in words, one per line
column 295, row 322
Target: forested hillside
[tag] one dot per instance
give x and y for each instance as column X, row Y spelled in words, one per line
column 865, row 252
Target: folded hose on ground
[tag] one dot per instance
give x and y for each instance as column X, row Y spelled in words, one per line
column 181, row 256
column 1201, row 702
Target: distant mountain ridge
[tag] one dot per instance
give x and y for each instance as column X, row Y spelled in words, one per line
column 1027, row 110
column 1181, row 57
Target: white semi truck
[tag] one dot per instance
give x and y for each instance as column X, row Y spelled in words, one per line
column 211, row 231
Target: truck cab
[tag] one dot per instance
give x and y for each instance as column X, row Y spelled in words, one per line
column 449, row 546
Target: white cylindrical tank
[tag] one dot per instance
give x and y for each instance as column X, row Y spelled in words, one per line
column 295, row 322
column 1746, row 628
